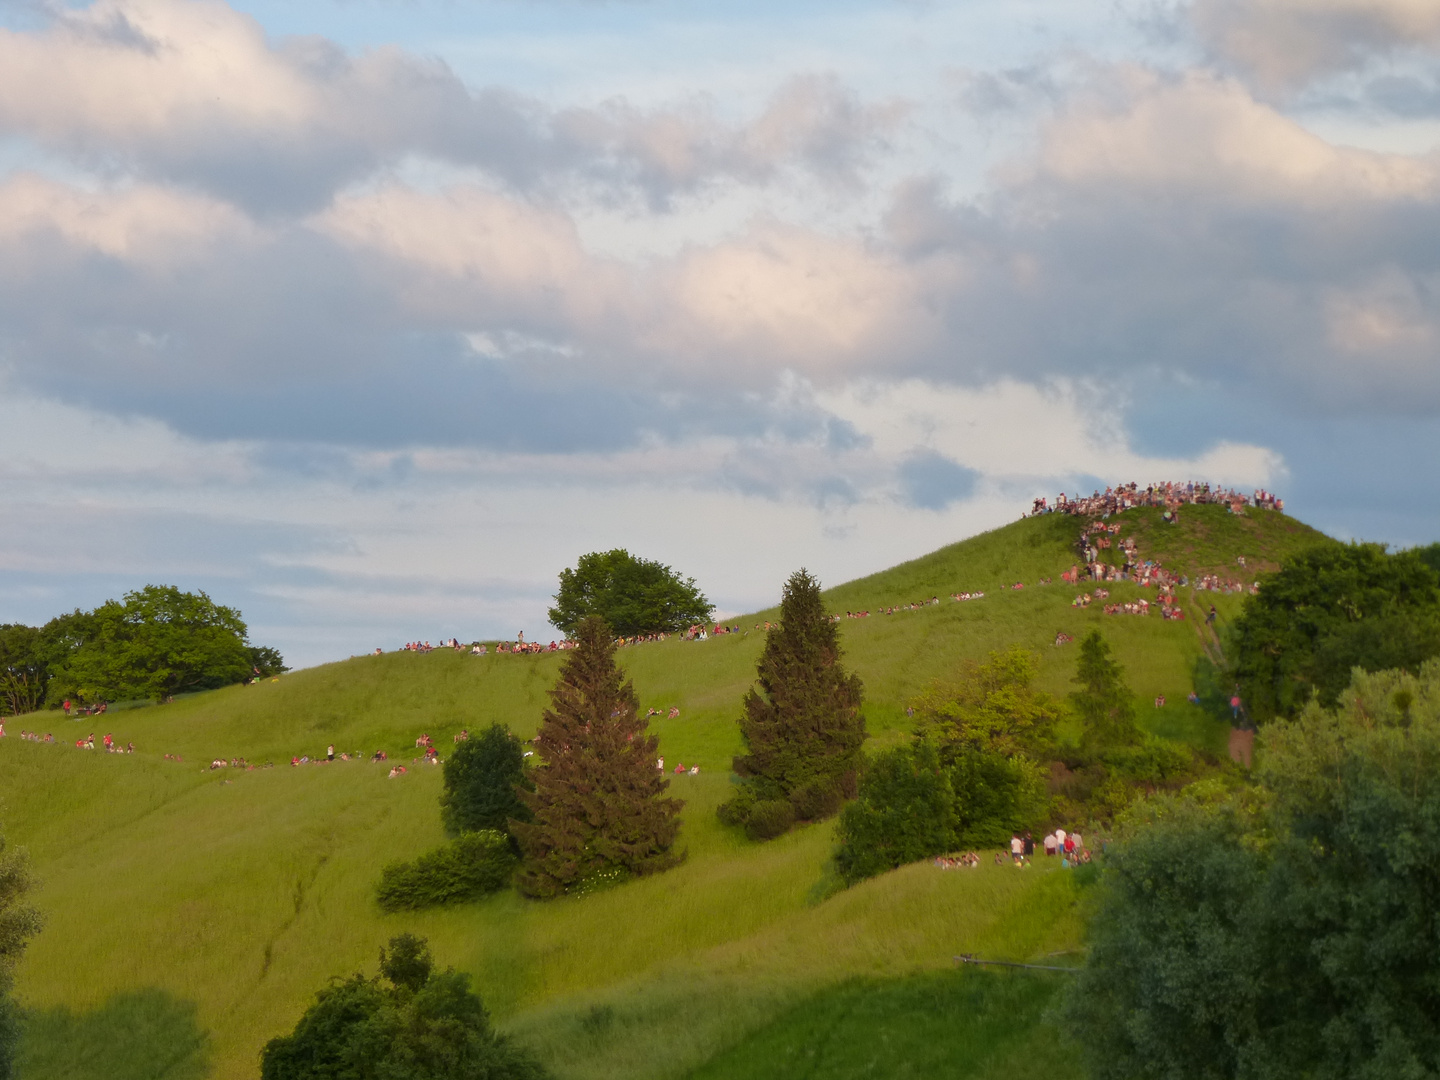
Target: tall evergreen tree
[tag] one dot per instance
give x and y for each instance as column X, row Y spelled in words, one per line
column 1104, row 702
column 599, row 802
column 802, row 727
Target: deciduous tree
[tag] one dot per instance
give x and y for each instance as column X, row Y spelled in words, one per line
column 632, row 595
column 19, row 922
column 482, row 784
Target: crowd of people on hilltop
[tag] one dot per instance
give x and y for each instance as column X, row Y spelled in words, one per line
column 1170, row 496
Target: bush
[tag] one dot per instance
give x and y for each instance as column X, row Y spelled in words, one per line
column 411, row 1023
column 769, row 818
column 905, row 812
column 995, row 797
column 482, row 782
column 471, row 865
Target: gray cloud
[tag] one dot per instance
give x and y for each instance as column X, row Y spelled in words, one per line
column 1282, row 45
column 180, row 92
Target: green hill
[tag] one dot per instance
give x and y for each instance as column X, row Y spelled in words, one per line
column 192, row 913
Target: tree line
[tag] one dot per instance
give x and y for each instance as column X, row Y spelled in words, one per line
column 153, row 643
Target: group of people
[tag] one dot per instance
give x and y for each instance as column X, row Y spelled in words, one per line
column 968, row 861
column 29, row 736
column 109, row 742
column 1069, row 847
column 671, row 715
column 680, row 770
column 1170, row 496
column 74, row 708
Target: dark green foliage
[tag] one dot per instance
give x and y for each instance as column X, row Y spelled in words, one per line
column 482, row 782
column 995, row 796
column 1293, row 934
column 24, row 672
column 633, row 596
column 409, row 1024
column 599, row 802
column 1104, row 703
column 1331, row 609
column 157, row 642
column 905, row 812
column 1430, row 556
column 769, row 818
column 803, row 728
column 19, row 922
column 468, row 867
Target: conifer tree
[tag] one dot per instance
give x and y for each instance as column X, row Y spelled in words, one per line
column 802, row 727
column 1105, row 704
column 599, row 802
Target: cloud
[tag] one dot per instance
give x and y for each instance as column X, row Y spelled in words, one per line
column 194, row 92
column 1282, row 45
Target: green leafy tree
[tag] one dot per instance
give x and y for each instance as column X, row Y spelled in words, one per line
column 1104, row 702
column 633, row 596
column 1331, row 609
column 157, row 642
column 19, row 922
column 802, row 727
column 467, row 868
column 410, row 1023
column 599, row 805
column 989, row 708
column 905, row 811
column 1289, row 931
column 24, row 672
column 483, row 781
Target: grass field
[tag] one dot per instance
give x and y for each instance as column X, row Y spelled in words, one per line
column 192, row 914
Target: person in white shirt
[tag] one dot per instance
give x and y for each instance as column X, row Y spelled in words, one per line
column 1017, row 848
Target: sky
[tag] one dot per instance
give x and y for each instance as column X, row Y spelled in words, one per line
column 367, row 317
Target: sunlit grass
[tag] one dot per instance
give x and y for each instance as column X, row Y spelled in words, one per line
column 238, row 894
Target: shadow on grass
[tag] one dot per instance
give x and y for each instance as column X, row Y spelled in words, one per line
column 963, row 1025
column 144, row 1035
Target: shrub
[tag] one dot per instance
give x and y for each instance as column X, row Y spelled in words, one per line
column 769, row 818
column 995, row 797
column 411, row 1023
column 482, row 782
column 471, row 865
column 905, row 812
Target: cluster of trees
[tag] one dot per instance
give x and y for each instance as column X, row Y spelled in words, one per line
column 152, row 644
column 1329, row 610
column 634, row 596
column 1286, row 928
column 410, row 1022
column 593, row 813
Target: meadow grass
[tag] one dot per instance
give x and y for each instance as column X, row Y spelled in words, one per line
column 944, row 1025
column 197, row 912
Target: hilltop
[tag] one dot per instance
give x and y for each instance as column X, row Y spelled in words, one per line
column 193, row 913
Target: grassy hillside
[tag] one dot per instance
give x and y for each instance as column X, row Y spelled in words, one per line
column 192, row 914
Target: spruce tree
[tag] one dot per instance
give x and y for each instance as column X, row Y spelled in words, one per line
column 802, row 727
column 599, row 802
column 1105, row 704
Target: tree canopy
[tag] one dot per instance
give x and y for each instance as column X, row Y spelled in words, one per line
column 483, row 778
column 634, row 596
column 599, row 804
column 409, row 1023
column 1331, row 609
column 1288, row 931
column 19, row 922
column 156, row 642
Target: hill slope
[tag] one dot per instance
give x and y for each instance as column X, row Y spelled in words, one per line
column 201, row 910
